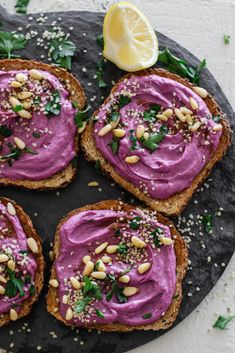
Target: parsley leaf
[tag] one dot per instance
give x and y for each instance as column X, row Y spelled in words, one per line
column 122, row 248
column 133, row 139
column 223, row 321
column 216, row 118
column 81, row 116
column 123, row 100
column 147, row 316
column 53, row 107
column 118, row 291
column 207, row 222
column 32, row 290
column 21, row 6
column 155, row 234
column 61, row 50
column 150, row 114
column 152, row 143
column 135, row 223
column 5, row 131
column 36, row 134
column 114, row 145
column 114, row 116
column 10, row 42
column 100, row 73
column 180, row 66
column 82, row 304
column 96, row 266
column 226, row 39
column 91, row 289
column 100, row 41
column 17, row 108
column 15, row 153
column 99, row 313
column 14, row 285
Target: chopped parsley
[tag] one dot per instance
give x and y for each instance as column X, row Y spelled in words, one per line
column 99, row 313
column 32, row 290
column 216, row 118
column 122, row 248
column 17, row 108
column 147, row 316
column 150, row 114
column 15, row 284
column 53, row 107
column 117, row 233
column 82, row 304
column 114, row 116
column 15, row 153
column 114, row 144
column 156, row 235
column 61, row 50
column 37, row 100
column 133, row 139
column 180, row 66
column 5, row 131
column 100, row 73
column 36, row 134
column 226, row 39
column 10, row 42
column 152, row 143
column 135, row 223
column 81, row 116
column 21, row 6
column 223, row 321
column 123, row 100
column 207, row 222
column 91, row 290
column 116, row 290
column 100, row 41
column 96, row 266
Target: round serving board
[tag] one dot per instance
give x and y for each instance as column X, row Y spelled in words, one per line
column 47, row 208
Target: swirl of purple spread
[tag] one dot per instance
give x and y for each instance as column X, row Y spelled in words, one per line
column 182, row 153
column 49, row 138
column 18, row 284
column 81, row 234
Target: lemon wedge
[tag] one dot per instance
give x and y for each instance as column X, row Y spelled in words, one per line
column 129, row 39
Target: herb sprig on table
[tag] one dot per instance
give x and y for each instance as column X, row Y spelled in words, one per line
column 81, row 115
column 10, row 42
column 226, row 39
column 61, row 50
column 223, row 321
column 21, row 6
column 180, row 66
column 100, row 73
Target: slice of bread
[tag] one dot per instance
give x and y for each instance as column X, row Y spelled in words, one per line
column 77, row 95
column 29, row 231
column 181, row 267
column 174, row 204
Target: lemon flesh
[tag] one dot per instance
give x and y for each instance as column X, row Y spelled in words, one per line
column 129, row 39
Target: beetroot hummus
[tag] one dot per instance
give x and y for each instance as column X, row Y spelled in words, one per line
column 36, row 125
column 115, row 266
column 178, row 136
column 17, row 265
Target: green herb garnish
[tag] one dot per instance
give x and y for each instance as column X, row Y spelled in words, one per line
column 21, row 6
column 152, row 143
column 15, row 153
column 133, row 139
column 117, row 233
column 37, row 100
column 32, row 290
column 82, row 304
column 127, row 270
column 207, row 222
column 114, row 144
column 122, row 248
column 53, row 107
column 81, row 116
column 91, row 289
column 114, row 116
column 100, row 73
column 36, row 134
column 147, row 316
column 100, row 41
column 180, row 66
column 10, row 42
column 223, row 321
column 156, row 236
column 116, row 290
column 216, row 118
column 150, row 114
column 61, row 50
column 135, row 223
column 5, row 131
column 14, row 285
column 176, row 296
column 226, row 39
column 123, row 100
column 99, row 313
column 96, row 266
column 17, row 108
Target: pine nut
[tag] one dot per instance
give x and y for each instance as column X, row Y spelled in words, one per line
column 166, row 241
column 51, row 255
column 69, row 314
column 106, row 259
column 114, row 124
column 2, row 290
column 137, row 242
column 65, row 299
column 3, row 279
column 139, row 131
column 217, row 127
column 112, row 249
column 179, row 115
column 161, row 117
column 168, row 113
column 105, row 130
column 11, row 265
column 15, row 84
column 129, row 291
column 193, row 103
column 35, row 74
column 132, row 159
column 11, row 209
column 82, row 128
column 101, row 266
column 75, row 283
column 101, row 247
column 189, row 119
column 98, row 275
column 14, row 101
column 20, row 77
column 119, row 133
column 24, row 114
column 3, row 258
column 86, row 258
column 185, row 110
column 13, row 315
column 19, row 143
column 31, row 242
column 24, row 95
column 27, row 105
column 88, row 268
column 143, row 267
column 202, row 92
column 195, row 126
column 124, row 279
column 54, row 283
column 146, row 135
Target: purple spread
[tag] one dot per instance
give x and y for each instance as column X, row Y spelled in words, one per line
column 48, row 134
column 18, row 284
column 172, row 164
column 81, row 234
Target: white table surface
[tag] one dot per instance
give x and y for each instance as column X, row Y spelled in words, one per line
column 199, row 26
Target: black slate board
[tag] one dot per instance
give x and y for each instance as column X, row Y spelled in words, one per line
column 51, row 207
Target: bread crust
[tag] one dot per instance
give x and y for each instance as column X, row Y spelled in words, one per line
column 174, row 204
column 181, row 266
column 65, row 176
column 30, row 231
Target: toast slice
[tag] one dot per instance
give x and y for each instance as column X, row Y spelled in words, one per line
column 77, row 95
column 181, row 266
column 174, row 204
column 30, row 232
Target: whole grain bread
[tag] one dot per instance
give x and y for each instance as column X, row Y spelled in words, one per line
column 181, row 266
column 30, row 231
column 77, row 95
column 174, row 204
